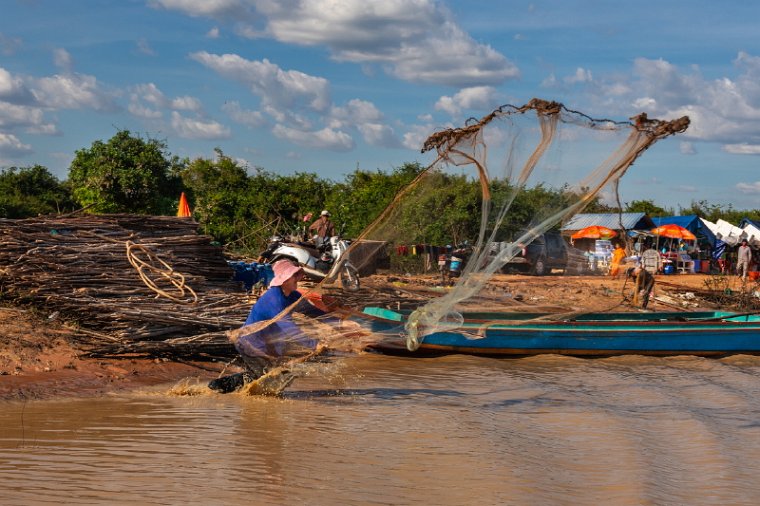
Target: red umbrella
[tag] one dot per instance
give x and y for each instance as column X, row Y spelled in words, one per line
column 594, row 232
column 674, row 231
column 184, row 208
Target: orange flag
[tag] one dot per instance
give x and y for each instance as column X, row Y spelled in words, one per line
column 184, row 208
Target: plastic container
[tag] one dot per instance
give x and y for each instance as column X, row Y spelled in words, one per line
column 668, row 269
column 705, row 266
column 697, row 266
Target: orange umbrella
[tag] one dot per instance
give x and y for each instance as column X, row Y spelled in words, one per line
column 184, row 208
column 594, row 232
column 674, row 231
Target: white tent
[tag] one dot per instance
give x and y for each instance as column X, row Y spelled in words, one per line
column 726, row 232
column 752, row 235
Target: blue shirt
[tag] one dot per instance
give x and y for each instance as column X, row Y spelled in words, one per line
column 276, row 337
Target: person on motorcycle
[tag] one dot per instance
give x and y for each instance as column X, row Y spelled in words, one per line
column 280, row 340
column 323, row 227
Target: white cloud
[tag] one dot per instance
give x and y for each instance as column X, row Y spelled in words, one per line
column 13, row 89
column 281, row 89
column 144, row 47
column 742, row 149
column 368, row 119
column 219, row 9
column 326, row 138
column 147, row 101
column 150, row 93
column 62, row 59
column 246, row 117
column 356, row 111
column 413, row 40
column 10, row 145
column 580, row 76
column 749, row 188
column 476, row 97
column 137, row 109
column 687, row 148
column 43, row 129
column 550, row 82
column 417, row 135
column 378, row 134
column 186, row 103
column 213, row 33
column 9, row 45
column 194, row 128
column 12, row 115
column 724, row 110
column 72, row 91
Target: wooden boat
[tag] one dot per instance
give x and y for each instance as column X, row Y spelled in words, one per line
column 705, row 333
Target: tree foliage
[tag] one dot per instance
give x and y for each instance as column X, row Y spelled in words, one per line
column 30, row 191
column 648, row 207
column 243, row 208
column 125, row 174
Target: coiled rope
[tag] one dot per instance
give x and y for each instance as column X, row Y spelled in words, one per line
column 146, row 268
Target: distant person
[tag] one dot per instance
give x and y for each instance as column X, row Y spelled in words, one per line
column 323, row 227
column 743, row 259
column 644, row 285
column 618, row 254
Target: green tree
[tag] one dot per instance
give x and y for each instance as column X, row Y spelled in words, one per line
column 366, row 194
column 646, row 206
column 31, row 191
column 126, row 174
column 217, row 192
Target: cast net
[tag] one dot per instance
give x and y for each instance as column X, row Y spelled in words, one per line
column 498, row 185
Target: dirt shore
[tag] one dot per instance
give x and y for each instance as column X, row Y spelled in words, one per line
column 39, row 358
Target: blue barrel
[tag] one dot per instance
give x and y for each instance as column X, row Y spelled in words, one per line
column 250, row 273
column 668, row 269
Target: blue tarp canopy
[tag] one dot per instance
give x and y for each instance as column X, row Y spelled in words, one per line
column 747, row 221
column 692, row 223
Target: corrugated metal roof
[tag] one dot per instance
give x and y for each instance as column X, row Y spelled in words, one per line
column 631, row 221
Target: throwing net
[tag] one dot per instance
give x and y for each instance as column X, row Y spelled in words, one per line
column 497, row 185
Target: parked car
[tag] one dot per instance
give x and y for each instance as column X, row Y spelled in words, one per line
column 548, row 251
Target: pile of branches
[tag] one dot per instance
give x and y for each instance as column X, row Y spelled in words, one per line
column 145, row 285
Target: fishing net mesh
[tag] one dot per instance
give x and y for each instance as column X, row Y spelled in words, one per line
column 496, row 185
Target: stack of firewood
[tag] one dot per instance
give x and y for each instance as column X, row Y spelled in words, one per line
column 77, row 269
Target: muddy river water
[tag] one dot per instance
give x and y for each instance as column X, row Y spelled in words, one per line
column 386, row 430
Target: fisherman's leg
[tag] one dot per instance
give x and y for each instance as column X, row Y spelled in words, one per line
column 255, row 367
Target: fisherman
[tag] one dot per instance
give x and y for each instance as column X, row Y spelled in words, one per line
column 323, row 227
column 272, row 345
column 644, row 284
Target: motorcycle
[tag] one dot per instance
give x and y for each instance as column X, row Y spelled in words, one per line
column 328, row 261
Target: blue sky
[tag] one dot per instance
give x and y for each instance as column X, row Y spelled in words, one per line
column 327, row 86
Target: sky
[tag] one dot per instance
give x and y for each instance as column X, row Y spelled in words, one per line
column 329, row 86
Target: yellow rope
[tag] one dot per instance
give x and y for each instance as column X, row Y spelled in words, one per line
column 144, row 267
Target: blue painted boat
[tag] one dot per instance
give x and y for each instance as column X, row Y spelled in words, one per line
column 705, row 333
